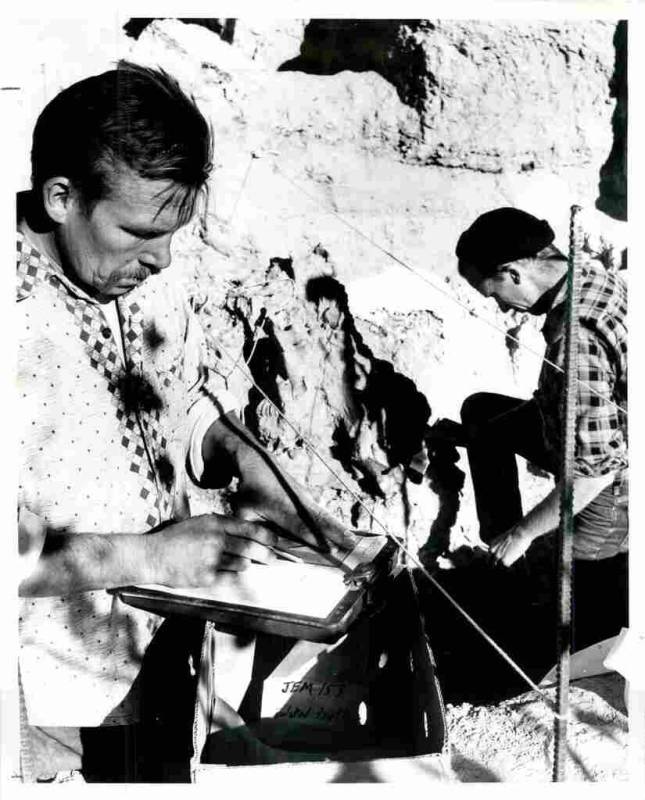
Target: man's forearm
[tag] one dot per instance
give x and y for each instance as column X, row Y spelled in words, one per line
column 80, row 562
column 228, row 436
column 266, row 492
column 545, row 516
column 229, row 449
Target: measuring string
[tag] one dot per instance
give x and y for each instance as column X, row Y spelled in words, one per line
column 437, row 288
column 399, row 544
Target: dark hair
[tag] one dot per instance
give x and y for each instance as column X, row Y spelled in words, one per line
column 132, row 115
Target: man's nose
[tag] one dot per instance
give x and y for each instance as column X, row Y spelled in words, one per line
column 157, row 254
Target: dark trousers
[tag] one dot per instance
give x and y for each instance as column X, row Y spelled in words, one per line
column 142, row 753
column 157, row 749
column 498, row 428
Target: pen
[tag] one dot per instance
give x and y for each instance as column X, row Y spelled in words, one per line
column 287, row 556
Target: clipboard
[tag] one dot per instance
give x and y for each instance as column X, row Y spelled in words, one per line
column 310, row 601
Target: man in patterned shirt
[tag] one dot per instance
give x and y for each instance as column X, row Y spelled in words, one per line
column 509, row 255
column 117, row 406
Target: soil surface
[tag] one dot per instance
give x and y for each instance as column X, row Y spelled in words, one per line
column 513, row 741
column 497, row 731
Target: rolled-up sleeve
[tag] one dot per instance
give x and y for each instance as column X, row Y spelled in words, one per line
column 209, row 406
column 208, row 397
column 32, row 531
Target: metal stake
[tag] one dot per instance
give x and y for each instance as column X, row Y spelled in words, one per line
column 565, row 533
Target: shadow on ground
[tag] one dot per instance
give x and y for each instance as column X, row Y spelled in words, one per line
column 514, row 606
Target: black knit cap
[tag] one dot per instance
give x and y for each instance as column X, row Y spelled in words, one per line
column 503, row 235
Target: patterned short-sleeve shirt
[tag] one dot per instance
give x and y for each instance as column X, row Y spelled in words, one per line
column 601, row 401
column 103, row 449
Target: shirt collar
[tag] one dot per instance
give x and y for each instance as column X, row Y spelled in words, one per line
column 557, row 309
column 48, row 263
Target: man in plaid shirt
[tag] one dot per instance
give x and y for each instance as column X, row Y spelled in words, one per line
column 509, row 255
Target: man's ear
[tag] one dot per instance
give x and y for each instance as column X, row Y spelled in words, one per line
column 58, row 198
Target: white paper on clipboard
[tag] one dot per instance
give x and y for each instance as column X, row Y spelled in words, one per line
column 310, row 590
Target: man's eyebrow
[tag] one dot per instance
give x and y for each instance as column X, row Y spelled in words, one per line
column 143, row 230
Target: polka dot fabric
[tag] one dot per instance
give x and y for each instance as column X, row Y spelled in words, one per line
column 103, row 448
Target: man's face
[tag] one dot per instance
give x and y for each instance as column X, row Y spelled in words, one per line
column 510, row 286
column 124, row 239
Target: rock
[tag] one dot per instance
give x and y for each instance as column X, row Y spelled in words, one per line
column 612, row 197
column 349, row 156
column 322, row 176
column 524, row 86
column 513, row 741
column 269, row 43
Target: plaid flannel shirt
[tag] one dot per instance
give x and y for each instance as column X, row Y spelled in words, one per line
column 601, row 427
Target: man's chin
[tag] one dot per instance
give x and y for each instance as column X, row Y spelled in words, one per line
column 114, row 292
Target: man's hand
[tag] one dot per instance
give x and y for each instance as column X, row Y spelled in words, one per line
column 192, row 552
column 508, row 547
column 447, row 431
column 187, row 553
column 545, row 517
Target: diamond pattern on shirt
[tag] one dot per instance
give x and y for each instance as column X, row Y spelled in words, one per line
column 32, row 268
column 149, row 412
column 132, row 321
